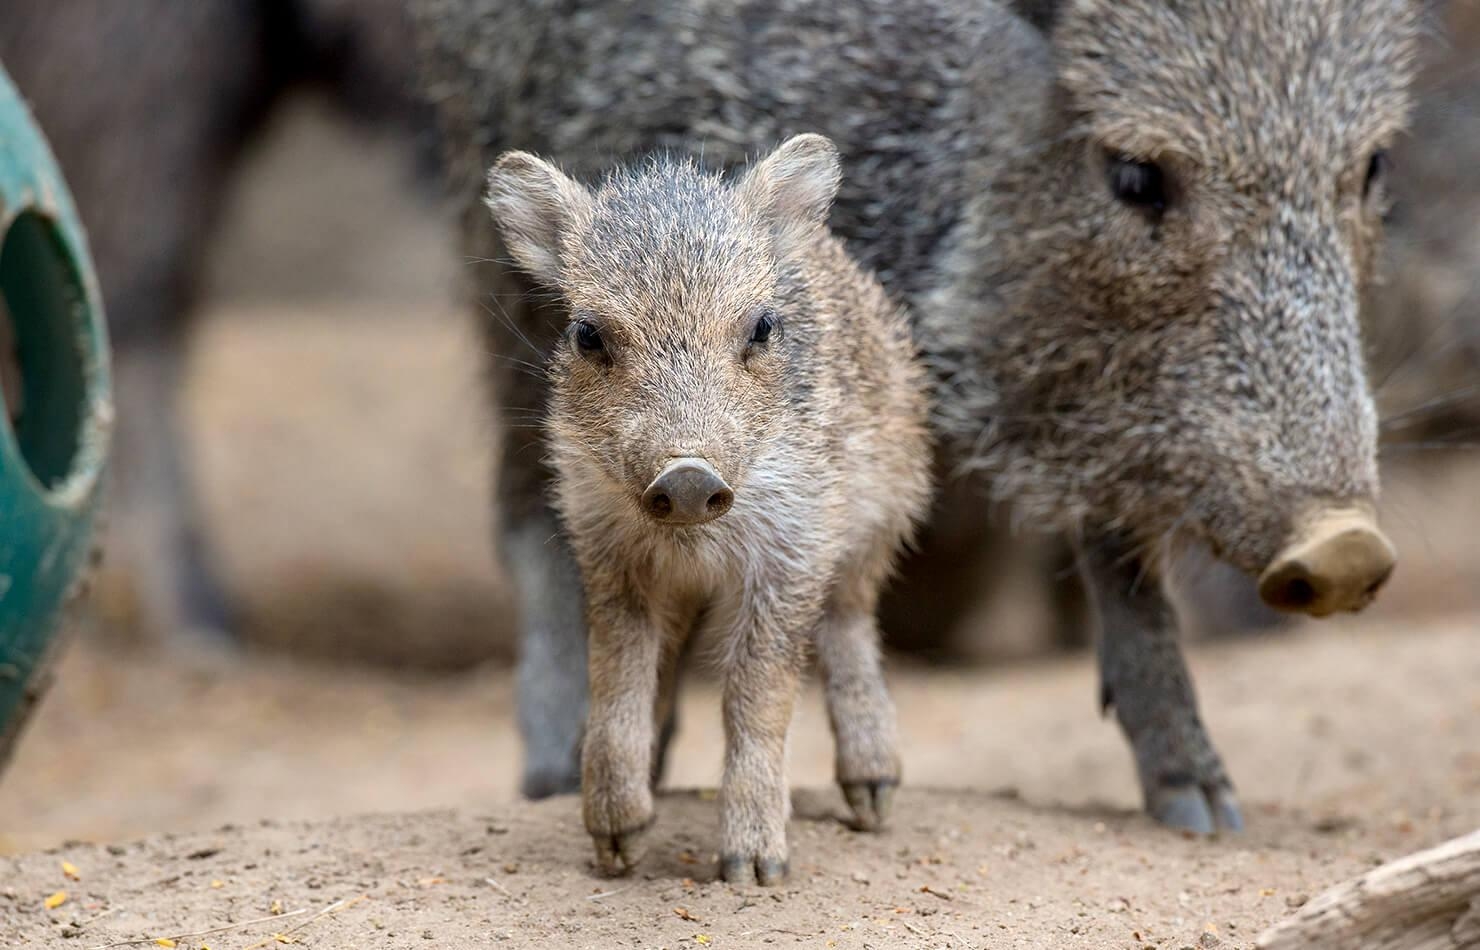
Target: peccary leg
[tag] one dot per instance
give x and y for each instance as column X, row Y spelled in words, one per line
column 617, row 755
column 520, row 327
column 858, row 705
column 158, row 537
column 760, row 691
column 552, row 658
column 1142, row 674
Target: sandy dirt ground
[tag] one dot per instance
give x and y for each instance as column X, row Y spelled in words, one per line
column 1351, row 744
column 343, row 451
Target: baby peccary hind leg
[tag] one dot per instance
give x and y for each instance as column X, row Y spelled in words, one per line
column 1142, row 674
column 665, row 708
column 858, row 704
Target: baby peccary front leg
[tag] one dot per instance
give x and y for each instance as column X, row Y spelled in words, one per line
column 1142, row 674
column 860, row 710
column 616, row 756
column 760, row 691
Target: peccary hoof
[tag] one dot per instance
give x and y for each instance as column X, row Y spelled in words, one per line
column 871, row 802
column 1195, row 808
column 747, row 869
column 619, row 853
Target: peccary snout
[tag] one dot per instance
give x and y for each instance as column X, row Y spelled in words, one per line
column 1336, row 559
column 688, row 491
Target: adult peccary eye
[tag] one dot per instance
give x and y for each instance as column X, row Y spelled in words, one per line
column 588, row 338
column 765, row 325
column 1377, row 169
column 1139, row 184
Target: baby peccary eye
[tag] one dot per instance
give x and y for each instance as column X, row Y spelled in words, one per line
column 1139, row 184
column 765, row 325
column 588, row 338
column 1377, row 169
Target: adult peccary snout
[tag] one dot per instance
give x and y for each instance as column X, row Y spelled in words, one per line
column 1336, row 560
column 687, row 491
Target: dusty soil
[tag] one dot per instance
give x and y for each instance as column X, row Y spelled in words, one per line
column 1351, row 745
column 962, row 869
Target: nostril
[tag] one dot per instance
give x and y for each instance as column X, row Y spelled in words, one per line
column 660, row 505
column 1295, row 587
column 721, row 500
column 1298, row 593
column 1378, row 582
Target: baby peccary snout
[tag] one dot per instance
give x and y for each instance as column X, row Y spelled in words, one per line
column 688, row 491
column 721, row 314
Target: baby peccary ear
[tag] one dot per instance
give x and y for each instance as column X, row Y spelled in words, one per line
column 533, row 204
column 794, row 186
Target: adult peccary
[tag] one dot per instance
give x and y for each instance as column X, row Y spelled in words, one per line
column 1133, row 250
column 738, row 428
column 149, row 105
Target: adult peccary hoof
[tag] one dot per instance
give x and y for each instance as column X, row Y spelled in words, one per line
column 1336, row 560
column 58, row 409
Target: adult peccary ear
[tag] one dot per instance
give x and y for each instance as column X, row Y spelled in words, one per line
column 795, row 185
column 533, row 204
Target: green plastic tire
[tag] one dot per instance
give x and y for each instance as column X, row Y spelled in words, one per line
column 58, row 412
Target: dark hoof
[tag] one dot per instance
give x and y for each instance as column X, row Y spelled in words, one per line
column 870, row 802
column 543, row 783
column 618, row 854
column 744, row 869
column 1195, row 808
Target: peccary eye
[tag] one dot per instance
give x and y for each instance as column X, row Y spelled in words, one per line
column 765, row 325
column 588, row 338
column 1377, row 169
column 1141, row 185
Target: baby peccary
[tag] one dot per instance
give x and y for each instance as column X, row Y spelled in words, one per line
column 738, row 429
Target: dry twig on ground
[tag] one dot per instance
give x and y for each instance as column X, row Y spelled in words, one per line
column 1425, row 901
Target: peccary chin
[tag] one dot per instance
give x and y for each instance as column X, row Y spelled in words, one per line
column 1189, row 365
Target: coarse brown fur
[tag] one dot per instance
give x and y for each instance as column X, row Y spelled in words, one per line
column 819, row 427
column 1131, row 372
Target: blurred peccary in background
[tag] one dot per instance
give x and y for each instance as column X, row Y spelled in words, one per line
column 149, row 106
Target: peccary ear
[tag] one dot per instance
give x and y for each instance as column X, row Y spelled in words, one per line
column 795, row 185
column 533, row 204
